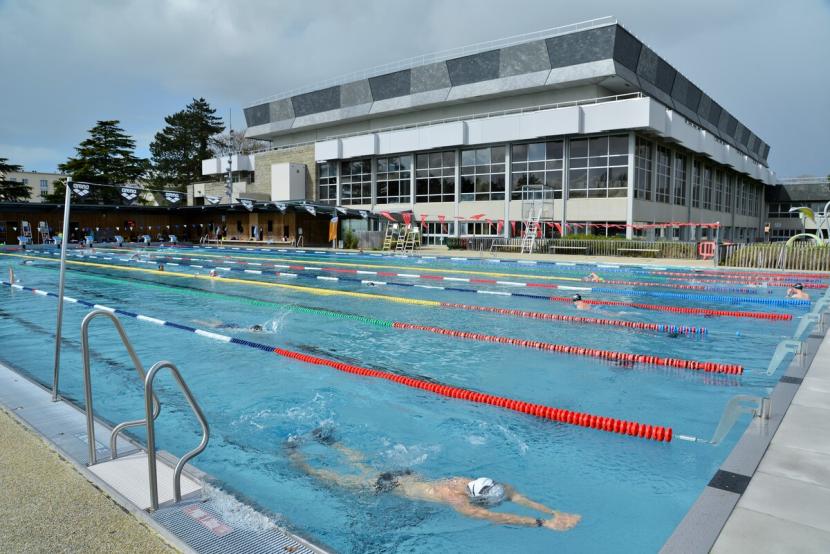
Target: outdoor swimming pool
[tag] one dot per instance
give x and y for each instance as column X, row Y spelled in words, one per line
column 630, row 491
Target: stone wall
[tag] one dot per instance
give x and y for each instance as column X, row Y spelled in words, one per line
column 300, row 154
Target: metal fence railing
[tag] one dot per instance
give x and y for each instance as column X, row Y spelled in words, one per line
column 808, row 257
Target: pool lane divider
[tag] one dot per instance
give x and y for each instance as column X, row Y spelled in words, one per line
column 472, row 280
column 664, row 294
column 610, row 355
column 433, row 303
column 658, row 327
column 582, row 419
column 565, row 266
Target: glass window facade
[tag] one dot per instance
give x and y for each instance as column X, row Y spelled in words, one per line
column 435, row 232
column 482, row 174
column 598, row 167
column 356, row 181
column 707, row 188
column 435, row 177
column 537, row 165
column 662, row 191
column 717, row 203
column 679, row 193
column 697, row 179
column 642, row 169
column 393, row 176
column 327, row 183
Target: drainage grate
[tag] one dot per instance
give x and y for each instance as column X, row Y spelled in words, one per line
column 200, row 525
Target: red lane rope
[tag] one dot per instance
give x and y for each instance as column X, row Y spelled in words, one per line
column 577, row 319
column 680, row 309
column 582, row 419
column 749, row 274
column 709, row 367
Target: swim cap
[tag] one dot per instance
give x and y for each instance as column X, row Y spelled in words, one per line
column 256, row 327
column 576, row 297
column 798, row 286
column 485, row 490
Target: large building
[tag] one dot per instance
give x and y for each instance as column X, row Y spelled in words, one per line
column 40, row 184
column 585, row 116
column 797, row 192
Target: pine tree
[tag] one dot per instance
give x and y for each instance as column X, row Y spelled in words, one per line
column 12, row 191
column 178, row 149
column 106, row 157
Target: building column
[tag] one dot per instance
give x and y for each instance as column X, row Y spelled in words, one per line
column 629, row 211
column 338, row 189
column 508, row 177
column 412, row 185
column 689, row 164
column 373, row 165
column 652, row 234
column 457, row 230
column 566, row 183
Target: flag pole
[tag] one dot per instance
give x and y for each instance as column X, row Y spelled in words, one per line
column 61, row 279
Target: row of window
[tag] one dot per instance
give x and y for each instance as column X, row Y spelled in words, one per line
column 597, row 168
column 712, row 189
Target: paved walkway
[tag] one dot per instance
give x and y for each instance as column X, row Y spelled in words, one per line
column 47, row 506
column 786, row 507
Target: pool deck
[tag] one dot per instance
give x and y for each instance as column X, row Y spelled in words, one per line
column 53, row 502
column 48, row 506
column 786, row 505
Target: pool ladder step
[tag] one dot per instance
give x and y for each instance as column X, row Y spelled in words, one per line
column 124, row 473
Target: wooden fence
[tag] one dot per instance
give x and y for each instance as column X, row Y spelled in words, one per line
column 776, row 255
column 588, row 247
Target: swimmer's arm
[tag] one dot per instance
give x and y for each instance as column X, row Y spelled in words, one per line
column 496, row 517
column 354, row 457
column 522, row 500
column 351, row 481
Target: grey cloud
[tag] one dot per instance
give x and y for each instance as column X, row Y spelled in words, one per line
column 67, row 64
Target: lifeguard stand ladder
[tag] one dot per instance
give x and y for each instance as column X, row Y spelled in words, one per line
column 43, row 231
column 390, row 236
column 400, row 246
column 413, row 240
column 537, row 207
column 26, row 231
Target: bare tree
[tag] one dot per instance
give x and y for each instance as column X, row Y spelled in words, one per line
column 234, row 142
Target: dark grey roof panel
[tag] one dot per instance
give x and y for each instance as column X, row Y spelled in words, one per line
column 475, row 68
column 665, row 76
column 627, row 49
column 723, row 122
column 714, row 114
column 685, row 93
column 524, row 58
column 581, row 47
column 751, row 142
column 316, row 102
column 732, row 126
column 257, row 115
column 647, row 66
column 391, row 85
column 766, row 151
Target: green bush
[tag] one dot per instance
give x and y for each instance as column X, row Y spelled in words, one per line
column 350, row 240
column 456, row 243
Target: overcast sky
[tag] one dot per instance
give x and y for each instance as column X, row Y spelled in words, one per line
column 68, row 63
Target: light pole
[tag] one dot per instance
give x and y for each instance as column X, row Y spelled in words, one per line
column 61, row 279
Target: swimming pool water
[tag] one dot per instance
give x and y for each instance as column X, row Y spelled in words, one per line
column 630, row 492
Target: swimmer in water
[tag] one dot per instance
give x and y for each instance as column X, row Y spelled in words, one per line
column 797, row 291
column 213, row 273
column 593, row 277
column 472, row 497
column 216, row 324
column 161, row 267
column 579, row 303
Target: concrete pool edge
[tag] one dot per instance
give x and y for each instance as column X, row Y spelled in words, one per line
column 703, row 524
column 23, row 395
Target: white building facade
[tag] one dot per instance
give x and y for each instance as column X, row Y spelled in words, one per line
column 587, row 117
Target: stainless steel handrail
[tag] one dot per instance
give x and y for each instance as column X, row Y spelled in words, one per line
column 151, row 432
column 90, row 418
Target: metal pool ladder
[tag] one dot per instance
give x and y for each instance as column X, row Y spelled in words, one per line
column 152, row 408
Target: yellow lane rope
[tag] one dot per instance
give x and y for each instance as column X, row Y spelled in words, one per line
column 328, row 264
column 297, row 288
